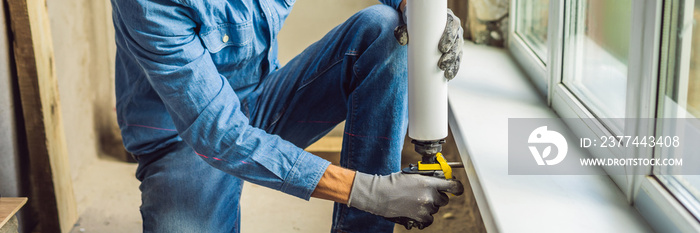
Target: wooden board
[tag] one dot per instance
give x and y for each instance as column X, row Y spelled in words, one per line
column 9, row 207
column 51, row 186
column 327, row 144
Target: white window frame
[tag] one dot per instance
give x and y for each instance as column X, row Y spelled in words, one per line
column 533, row 66
column 675, row 203
column 642, row 51
column 654, row 201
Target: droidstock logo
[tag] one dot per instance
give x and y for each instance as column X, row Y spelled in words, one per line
column 543, row 136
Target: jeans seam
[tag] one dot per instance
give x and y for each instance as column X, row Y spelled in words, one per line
column 303, row 85
column 352, row 142
column 340, row 224
column 348, row 161
column 277, row 119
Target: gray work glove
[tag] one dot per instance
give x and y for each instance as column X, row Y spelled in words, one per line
column 407, row 199
column 450, row 44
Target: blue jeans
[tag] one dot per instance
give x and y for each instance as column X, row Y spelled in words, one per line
column 356, row 73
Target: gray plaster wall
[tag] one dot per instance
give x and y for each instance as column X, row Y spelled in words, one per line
column 9, row 151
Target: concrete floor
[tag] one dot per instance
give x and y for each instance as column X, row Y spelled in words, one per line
column 109, row 199
column 107, row 191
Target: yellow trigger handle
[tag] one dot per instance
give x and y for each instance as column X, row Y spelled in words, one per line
column 440, row 166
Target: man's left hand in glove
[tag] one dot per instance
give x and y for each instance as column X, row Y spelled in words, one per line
column 450, row 43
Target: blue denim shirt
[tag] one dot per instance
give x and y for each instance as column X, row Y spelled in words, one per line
column 181, row 66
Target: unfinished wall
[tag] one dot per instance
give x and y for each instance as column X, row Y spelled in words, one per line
column 302, row 28
column 84, row 51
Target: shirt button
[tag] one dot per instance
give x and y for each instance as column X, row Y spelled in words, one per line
column 225, row 39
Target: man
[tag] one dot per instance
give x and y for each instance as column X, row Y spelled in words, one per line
column 203, row 104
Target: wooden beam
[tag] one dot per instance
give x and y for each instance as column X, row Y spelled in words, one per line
column 9, row 207
column 50, row 179
column 327, row 144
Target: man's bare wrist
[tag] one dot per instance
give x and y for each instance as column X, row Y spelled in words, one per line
column 335, row 184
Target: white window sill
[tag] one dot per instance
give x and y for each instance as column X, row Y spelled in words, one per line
column 492, row 88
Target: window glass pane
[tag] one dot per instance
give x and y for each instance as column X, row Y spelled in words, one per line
column 596, row 55
column 680, row 99
column 531, row 25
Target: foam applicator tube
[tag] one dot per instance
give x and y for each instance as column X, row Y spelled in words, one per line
column 427, row 86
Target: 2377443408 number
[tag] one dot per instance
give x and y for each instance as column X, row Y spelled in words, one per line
column 631, row 141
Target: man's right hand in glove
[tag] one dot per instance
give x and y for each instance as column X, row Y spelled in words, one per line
column 398, row 197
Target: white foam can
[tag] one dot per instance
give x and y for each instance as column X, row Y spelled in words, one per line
column 427, row 86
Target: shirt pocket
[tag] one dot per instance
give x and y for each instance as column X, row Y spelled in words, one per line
column 227, row 34
column 231, row 48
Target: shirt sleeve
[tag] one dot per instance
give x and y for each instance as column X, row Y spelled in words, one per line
column 206, row 112
column 392, row 3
